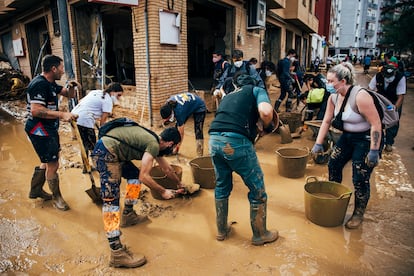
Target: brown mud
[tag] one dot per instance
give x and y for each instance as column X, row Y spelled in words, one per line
column 179, row 238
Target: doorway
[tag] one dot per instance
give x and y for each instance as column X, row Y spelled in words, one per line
column 207, row 32
column 38, row 44
column 272, row 43
column 114, row 23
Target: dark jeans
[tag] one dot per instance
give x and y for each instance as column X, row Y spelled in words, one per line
column 233, row 152
column 88, row 137
column 355, row 147
column 199, row 124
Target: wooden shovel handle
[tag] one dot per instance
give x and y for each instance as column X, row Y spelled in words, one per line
column 85, row 159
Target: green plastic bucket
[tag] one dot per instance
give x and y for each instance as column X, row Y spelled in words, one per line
column 326, row 202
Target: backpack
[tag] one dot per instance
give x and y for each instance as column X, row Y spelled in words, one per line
column 121, row 122
column 315, row 95
column 118, row 122
column 386, row 109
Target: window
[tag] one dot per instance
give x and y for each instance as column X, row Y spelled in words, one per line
column 55, row 17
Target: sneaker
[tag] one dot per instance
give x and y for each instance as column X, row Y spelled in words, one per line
column 388, row 148
column 122, row 257
column 131, row 219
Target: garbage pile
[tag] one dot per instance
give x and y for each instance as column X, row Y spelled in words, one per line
column 13, row 83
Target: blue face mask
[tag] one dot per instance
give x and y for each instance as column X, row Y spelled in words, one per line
column 330, row 88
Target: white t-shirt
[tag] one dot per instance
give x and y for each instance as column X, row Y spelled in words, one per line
column 401, row 86
column 91, row 108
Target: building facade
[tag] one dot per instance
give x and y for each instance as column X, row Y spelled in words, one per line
column 355, row 27
column 155, row 48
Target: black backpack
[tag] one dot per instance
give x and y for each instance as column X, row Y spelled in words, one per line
column 120, row 122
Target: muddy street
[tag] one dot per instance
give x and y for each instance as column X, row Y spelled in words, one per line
column 179, row 239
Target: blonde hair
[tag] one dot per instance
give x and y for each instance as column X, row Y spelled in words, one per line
column 344, row 71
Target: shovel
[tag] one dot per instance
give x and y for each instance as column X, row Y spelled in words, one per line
column 285, row 133
column 94, row 192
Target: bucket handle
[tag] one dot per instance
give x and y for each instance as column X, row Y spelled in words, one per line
column 347, row 194
column 311, row 177
column 195, row 165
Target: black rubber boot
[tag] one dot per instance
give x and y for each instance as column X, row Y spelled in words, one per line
column 277, row 105
column 223, row 228
column 58, row 200
column 358, row 215
column 258, row 223
column 36, row 186
column 200, row 147
column 289, row 105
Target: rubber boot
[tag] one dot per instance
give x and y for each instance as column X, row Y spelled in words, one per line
column 277, row 105
column 58, row 201
column 200, row 147
column 289, row 105
column 358, row 215
column 222, row 209
column 36, row 186
column 258, row 223
column 122, row 257
column 308, row 115
column 131, row 218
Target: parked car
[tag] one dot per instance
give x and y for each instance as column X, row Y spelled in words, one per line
column 338, row 58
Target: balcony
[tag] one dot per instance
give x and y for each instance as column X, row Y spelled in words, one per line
column 369, row 45
column 11, row 8
column 373, row 6
column 370, row 19
column 298, row 15
column 369, row 33
column 275, row 4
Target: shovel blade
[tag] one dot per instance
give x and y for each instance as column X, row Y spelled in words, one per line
column 285, row 134
column 95, row 194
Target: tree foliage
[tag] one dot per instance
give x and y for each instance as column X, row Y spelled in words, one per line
column 399, row 32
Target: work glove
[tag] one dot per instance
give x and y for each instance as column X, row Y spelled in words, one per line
column 372, row 158
column 317, row 149
column 217, row 93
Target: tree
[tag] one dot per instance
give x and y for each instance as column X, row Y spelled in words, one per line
column 398, row 31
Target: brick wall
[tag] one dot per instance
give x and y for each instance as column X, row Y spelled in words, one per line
column 168, row 63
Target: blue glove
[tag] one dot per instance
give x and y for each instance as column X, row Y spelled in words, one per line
column 317, row 148
column 372, row 158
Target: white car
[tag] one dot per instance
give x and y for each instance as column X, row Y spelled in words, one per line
column 338, row 58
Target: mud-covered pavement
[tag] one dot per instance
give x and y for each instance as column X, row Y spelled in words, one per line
column 179, row 239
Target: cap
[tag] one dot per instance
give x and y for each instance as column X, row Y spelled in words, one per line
column 165, row 111
column 388, row 70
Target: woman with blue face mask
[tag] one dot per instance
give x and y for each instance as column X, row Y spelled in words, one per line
column 361, row 140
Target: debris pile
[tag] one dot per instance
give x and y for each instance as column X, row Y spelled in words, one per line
column 13, row 83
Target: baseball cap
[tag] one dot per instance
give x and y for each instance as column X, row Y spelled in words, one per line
column 388, row 70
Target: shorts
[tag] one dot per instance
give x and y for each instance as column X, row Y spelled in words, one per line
column 46, row 147
column 88, row 137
